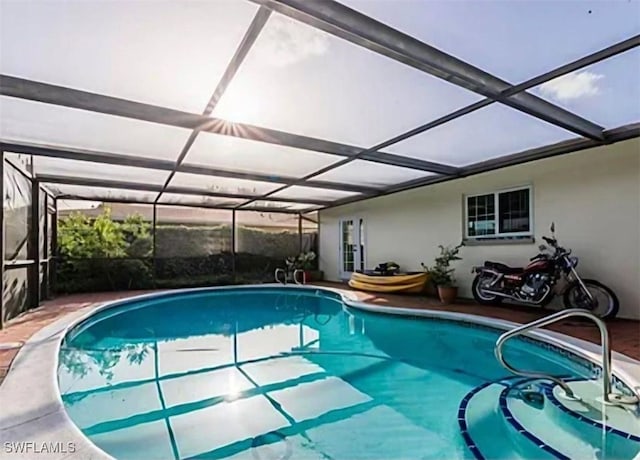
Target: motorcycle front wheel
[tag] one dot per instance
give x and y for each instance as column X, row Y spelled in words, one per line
column 605, row 304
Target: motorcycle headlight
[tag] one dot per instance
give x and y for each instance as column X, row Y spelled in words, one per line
column 573, row 261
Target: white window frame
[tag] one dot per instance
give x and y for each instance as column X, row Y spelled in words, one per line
column 496, row 202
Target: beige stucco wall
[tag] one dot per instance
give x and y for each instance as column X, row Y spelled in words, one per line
column 593, row 196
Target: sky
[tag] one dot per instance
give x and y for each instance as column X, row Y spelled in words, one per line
column 304, row 81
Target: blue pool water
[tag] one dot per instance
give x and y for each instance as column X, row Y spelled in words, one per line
column 271, row 373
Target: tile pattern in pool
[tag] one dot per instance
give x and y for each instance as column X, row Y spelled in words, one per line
column 240, row 374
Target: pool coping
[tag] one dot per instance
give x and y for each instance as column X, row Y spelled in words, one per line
column 40, row 419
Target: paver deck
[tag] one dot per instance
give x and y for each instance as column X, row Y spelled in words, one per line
column 625, row 334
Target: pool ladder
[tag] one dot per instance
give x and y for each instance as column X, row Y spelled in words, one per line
column 283, row 279
column 607, row 395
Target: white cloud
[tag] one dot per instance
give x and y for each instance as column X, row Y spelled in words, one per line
column 572, row 86
column 286, row 41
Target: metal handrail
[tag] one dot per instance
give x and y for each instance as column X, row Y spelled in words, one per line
column 284, row 276
column 295, row 276
column 604, row 341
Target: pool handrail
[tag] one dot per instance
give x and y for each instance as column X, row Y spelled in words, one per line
column 606, row 354
column 295, row 276
column 284, row 276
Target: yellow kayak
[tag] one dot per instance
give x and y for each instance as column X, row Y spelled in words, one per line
column 410, row 283
column 390, row 280
column 412, row 288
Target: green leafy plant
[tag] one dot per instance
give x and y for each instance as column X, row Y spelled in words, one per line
column 441, row 272
column 98, row 253
column 303, row 261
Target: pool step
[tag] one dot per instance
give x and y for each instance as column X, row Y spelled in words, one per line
column 484, row 429
column 622, row 422
column 558, row 432
column 525, row 418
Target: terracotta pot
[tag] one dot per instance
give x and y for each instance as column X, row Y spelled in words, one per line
column 313, row 275
column 430, row 289
column 447, row 294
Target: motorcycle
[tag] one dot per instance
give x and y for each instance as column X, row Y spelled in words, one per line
column 552, row 272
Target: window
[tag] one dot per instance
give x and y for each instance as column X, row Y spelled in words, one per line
column 501, row 214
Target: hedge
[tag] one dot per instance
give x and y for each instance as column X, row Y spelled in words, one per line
column 100, row 254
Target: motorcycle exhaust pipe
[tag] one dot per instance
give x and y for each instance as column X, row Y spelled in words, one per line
column 519, row 299
column 497, row 275
column 500, row 294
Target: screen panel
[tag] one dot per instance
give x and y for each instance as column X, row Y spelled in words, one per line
column 17, row 213
column 310, row 218
column 508, row 39
column 15, row 292
column 183, row 215
column 90, row 170
column 20, row 160
column 367, row 173
column 42, row 222
column 193, row 246
column 222, row 184
column 237, row 154
column 305, row 81
column 83, row 192
column 263, row 241
column 310, row 237
column 177, row 198
column 49, row 243
column 487, row 133
column 312, row 193
column 153, row 52
column 76, row 205
column 35, row 122
column 282, row 205
column 607, row 93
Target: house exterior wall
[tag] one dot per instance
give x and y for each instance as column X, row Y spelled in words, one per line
column 593, row 196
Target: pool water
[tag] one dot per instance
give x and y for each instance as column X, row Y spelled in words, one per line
column 279, row 373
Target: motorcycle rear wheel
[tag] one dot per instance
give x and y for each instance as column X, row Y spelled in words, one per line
column 481, row 297
column 607, row 304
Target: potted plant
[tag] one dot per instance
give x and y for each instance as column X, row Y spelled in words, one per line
column 307, row 262
column 442, row 273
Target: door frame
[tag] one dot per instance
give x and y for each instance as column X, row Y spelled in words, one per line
column 360, row 256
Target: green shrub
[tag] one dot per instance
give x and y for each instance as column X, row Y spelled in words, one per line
column 95, row 275
column 192, row 241
column 100, row 254
column 178, row 267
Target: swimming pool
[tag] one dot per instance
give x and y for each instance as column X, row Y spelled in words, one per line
column 279, row 373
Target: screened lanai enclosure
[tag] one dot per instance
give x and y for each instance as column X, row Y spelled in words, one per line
column 210, row 134
column 80, row 245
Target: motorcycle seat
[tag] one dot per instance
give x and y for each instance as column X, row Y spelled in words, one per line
column 504, row 268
